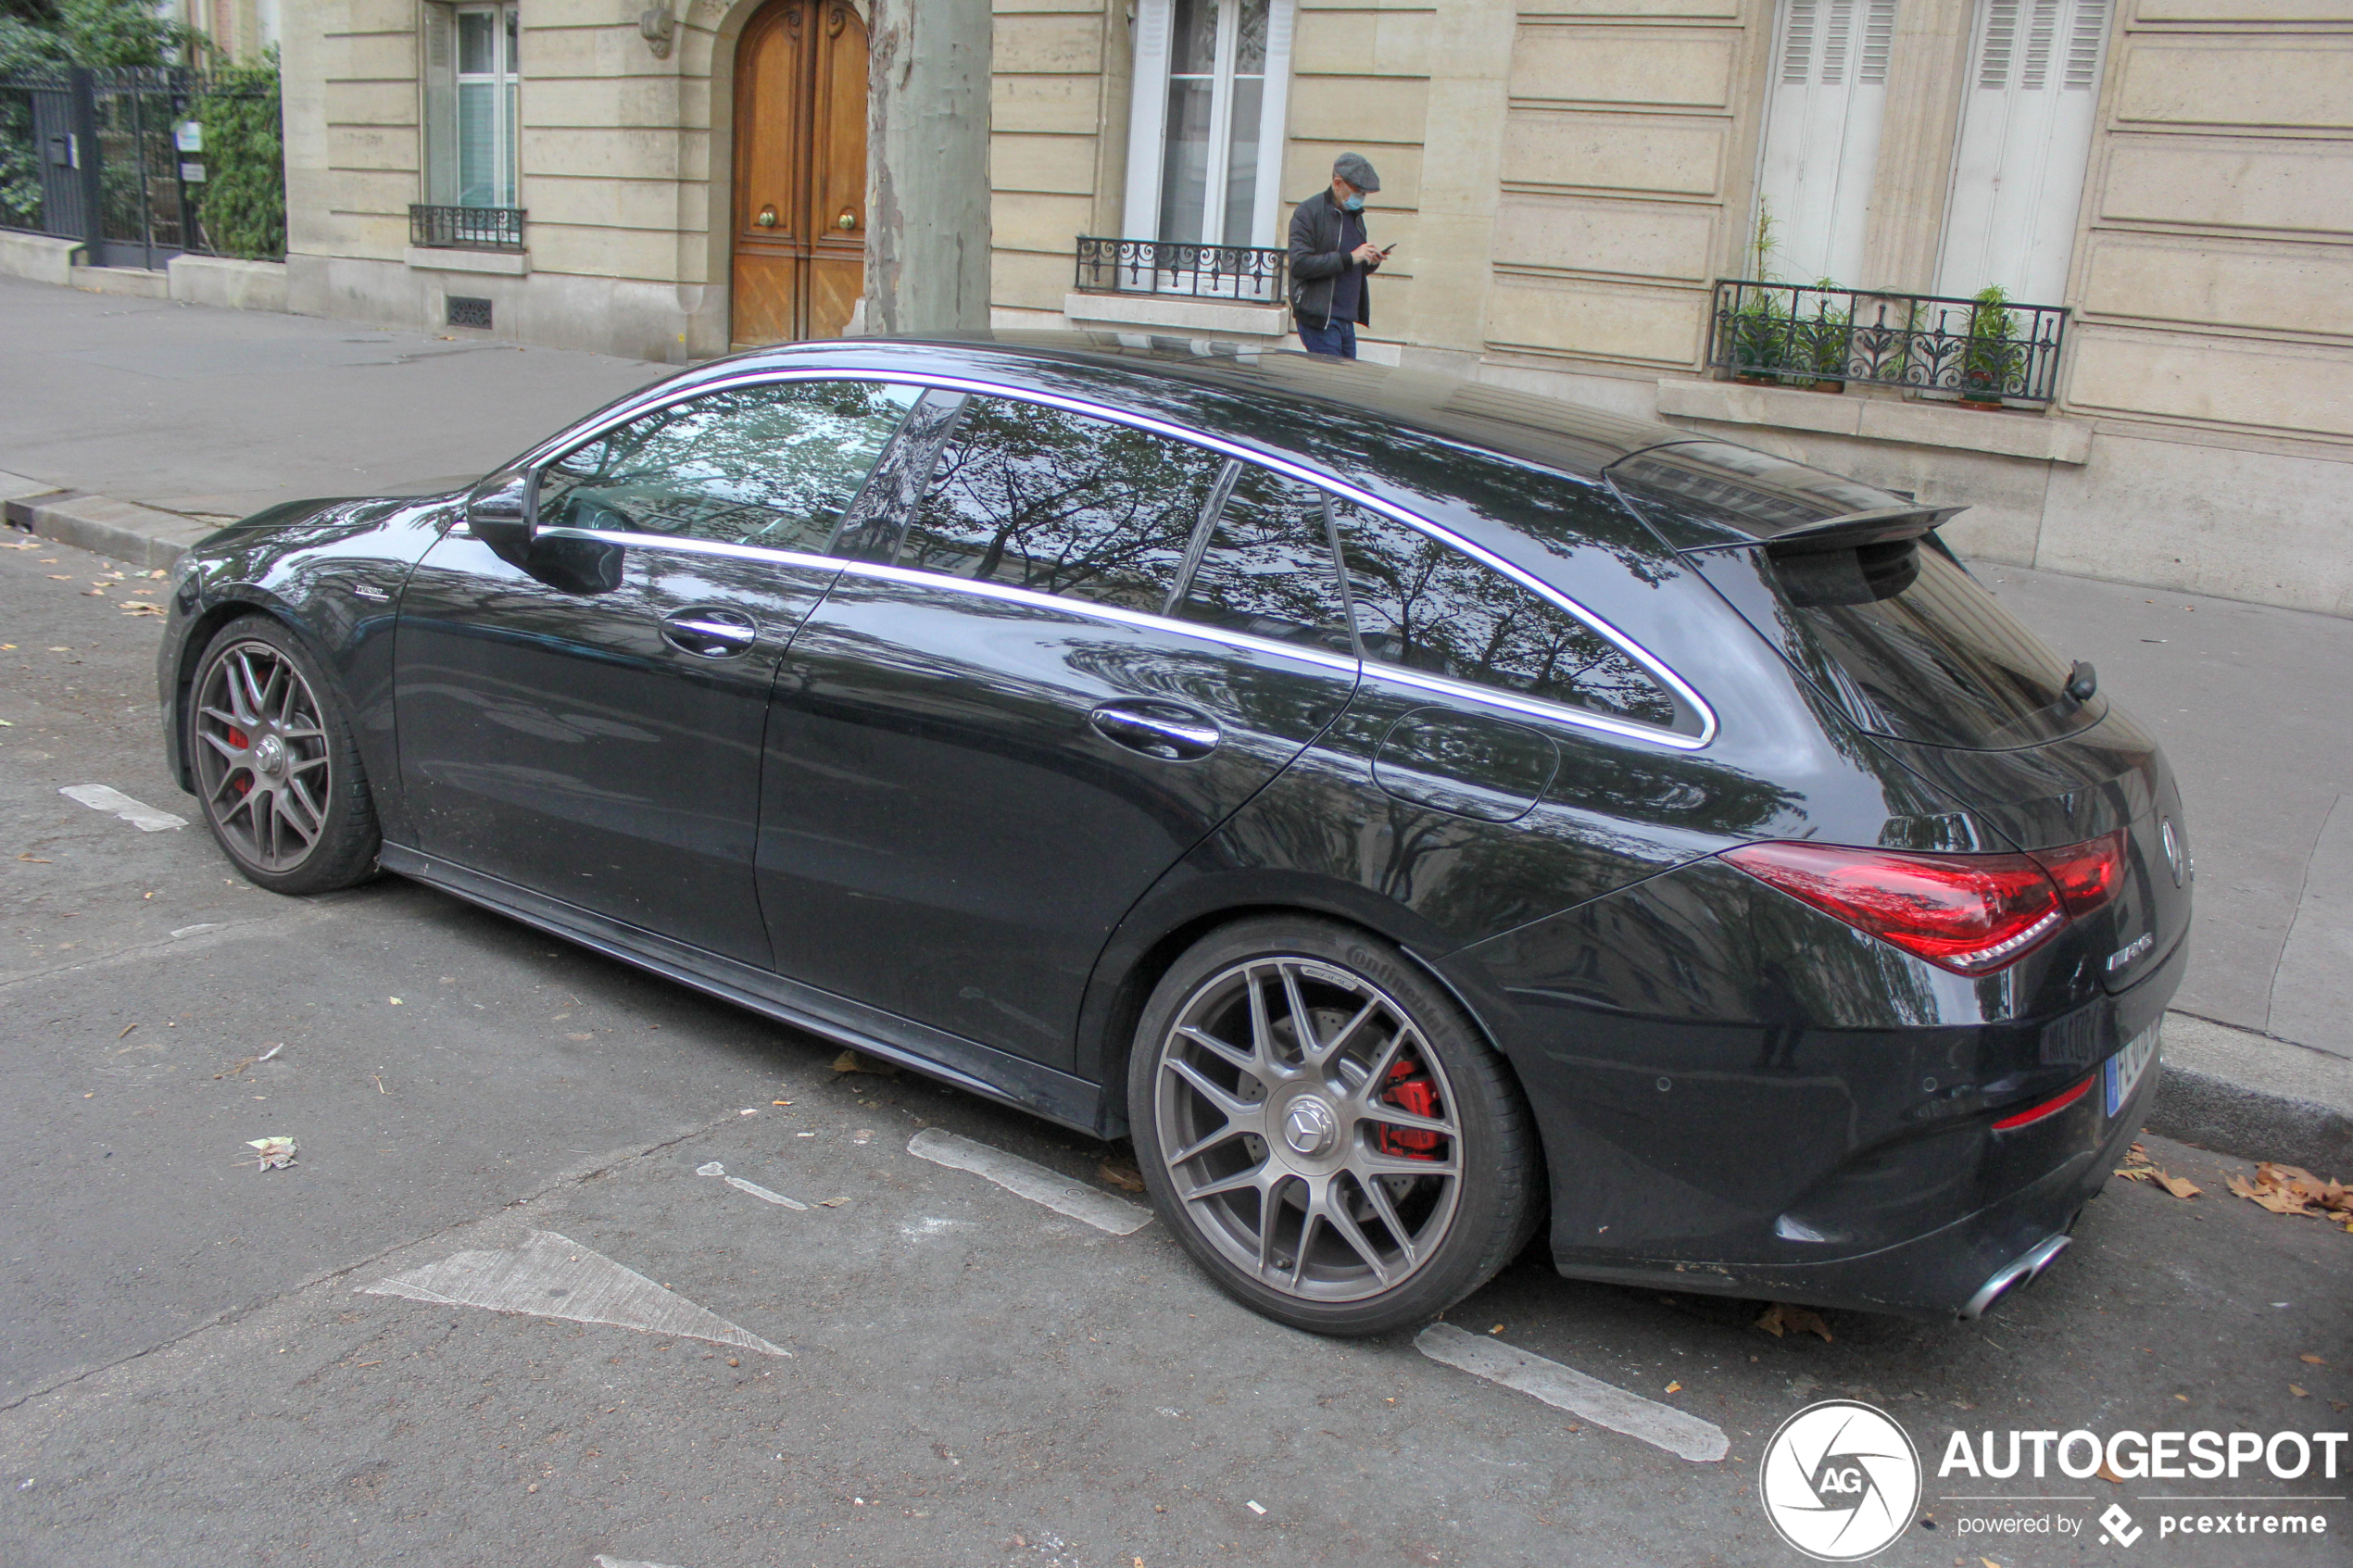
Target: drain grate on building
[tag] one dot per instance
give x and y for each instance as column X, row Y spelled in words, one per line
column 465, row 311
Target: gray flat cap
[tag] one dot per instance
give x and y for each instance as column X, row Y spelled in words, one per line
column 1353, row 168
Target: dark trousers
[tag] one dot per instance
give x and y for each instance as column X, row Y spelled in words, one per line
column 1338, row 339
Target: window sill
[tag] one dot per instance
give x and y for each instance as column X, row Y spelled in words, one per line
column 1179, row 314
column 2040, row 437
column 436, row 258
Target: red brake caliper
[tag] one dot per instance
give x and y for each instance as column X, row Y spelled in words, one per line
column 1409, row 1088
column 239, row 739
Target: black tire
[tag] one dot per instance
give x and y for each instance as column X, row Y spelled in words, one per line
column 262, row 729
column 1459, row 1189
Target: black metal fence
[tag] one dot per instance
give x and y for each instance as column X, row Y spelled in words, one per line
column 466, row 228
column 113, row 159
column 1243, row 273
column 1984, row 349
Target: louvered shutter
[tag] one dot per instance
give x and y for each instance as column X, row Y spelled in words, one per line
column 2026, row 135
column 1821, row 137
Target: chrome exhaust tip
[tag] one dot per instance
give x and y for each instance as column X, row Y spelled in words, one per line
column 2023, row 1269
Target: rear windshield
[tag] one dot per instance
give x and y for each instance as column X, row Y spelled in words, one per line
column 1909, row 644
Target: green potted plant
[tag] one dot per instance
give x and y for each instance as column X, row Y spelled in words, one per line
column 1826, row 339
column 1994, row 359
column 1766, row 346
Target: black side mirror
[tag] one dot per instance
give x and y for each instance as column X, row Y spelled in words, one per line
column 499, row 514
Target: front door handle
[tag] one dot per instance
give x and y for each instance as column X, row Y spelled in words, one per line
column 1156, row 729
column 710, row 634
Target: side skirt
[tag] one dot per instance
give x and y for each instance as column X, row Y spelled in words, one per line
column 1057, row 1096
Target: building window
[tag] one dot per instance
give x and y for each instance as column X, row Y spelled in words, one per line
column 1205, row 141
column 2025, row 142
column 472, row 92
column 1822, row 135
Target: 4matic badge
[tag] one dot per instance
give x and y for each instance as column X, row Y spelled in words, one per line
column 1840, row 1481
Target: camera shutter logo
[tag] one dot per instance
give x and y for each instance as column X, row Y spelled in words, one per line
column 1841, row 1481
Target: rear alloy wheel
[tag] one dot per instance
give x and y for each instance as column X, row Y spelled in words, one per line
column 276, row 771
column 1325, row 1131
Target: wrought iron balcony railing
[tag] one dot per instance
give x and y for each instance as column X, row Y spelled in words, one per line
column 466, row 228
column 1244, row 274
column 1981, row 350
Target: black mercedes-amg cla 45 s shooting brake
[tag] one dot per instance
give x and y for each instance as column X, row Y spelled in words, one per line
column 1414, row 812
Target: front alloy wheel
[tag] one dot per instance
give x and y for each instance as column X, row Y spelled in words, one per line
column 275, row 770
column 1325, row 1131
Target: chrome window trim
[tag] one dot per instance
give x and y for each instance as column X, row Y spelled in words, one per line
column 686, row 545
column 1497, row 696
column 1145, row 619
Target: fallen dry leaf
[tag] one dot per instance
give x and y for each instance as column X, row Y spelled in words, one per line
column 2178, row 1186
column 274, row 1154
column 1674, row 1387
column 1122, row 1174
column 2298, row 1392
column 2311, row 1361
column 1782, row 1317
column 859, row 1062
column 2105, row 1474
column 2291, row 1189
column 36, row 859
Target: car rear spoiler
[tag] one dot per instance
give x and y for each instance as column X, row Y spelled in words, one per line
column 1878, row 526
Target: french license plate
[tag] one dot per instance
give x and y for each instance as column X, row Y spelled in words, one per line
column 2121, row 1072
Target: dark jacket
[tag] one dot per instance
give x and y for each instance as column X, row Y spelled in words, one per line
column 1316, row 262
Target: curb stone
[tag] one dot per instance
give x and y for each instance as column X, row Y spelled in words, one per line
column 2238, row 1092
column 122, row 529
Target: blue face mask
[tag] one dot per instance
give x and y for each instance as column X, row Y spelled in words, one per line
column 1354, row 203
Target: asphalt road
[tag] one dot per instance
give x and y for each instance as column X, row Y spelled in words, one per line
column 917, row 1367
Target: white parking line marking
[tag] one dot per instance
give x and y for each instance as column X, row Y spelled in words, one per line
column 604, row 1562
column 549, row 1276
column 140, row 815
column 716, row 1169
column 1035, row 1183
column 1604, row 1404
column 192, row 930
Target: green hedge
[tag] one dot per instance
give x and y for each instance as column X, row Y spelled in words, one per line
column 244, row 156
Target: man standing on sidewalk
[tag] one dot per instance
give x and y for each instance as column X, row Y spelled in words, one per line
column 1330, row 258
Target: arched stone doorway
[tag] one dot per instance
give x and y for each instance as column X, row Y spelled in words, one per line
column 800, row 207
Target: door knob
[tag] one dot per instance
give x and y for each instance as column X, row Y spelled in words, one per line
column 848, row 220
column 711, row 632
column 1156, row 729
column 767, row 219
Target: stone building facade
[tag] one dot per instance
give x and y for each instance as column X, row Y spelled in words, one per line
column 1565, row 183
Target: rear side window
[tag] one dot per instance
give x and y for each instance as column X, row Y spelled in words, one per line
column 1915, row 649
column 1425, row 604
column 773, row 465
column 1267, row 566
column 1060, row 503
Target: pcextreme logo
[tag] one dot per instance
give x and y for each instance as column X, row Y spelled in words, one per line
column 1840, row 1481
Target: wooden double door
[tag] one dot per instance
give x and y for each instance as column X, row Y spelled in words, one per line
column 800, row 171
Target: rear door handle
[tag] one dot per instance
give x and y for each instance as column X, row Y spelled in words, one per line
column 1156, row 729
column 710, row 633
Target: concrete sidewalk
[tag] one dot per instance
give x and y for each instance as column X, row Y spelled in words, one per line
column 132, row 427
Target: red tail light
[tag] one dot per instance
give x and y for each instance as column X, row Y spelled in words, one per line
column 1969, row 913
column 2087, row 873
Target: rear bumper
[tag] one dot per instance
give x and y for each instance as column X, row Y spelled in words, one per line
column 1954, row 1271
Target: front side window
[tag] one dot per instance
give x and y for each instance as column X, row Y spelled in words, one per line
column 1058, row 503
column 473, row 105
column 773, row 466
column 1425, row 604
column 1267, row 568
column 1206, row 133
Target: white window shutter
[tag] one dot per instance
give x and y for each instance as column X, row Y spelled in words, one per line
column 2026, row 138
